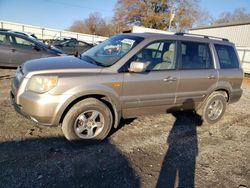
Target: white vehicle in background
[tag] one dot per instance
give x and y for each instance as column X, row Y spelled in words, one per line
column 244, row 55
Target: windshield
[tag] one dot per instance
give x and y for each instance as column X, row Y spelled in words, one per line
column 111, row 50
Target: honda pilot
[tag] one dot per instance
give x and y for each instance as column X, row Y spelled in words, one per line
column 127, row 76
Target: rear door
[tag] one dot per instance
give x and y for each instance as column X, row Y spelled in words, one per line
column 152, row 91
column 197, row 74
column 5, row 50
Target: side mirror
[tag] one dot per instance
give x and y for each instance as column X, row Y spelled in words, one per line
column 137, row 67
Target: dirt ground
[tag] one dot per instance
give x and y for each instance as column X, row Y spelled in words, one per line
column 166, row 150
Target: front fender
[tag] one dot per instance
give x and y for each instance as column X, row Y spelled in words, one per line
column 88, row 91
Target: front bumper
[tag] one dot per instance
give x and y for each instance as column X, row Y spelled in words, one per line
column 17, row 107
column 42, row 108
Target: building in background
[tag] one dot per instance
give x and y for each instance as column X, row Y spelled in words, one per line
column 140, row 29
column 238, row 33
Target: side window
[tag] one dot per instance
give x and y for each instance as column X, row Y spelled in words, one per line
column 22, row 42
column 195, row 55
column 3, row 39
column 81, row 44
column 227, row 56
column 71, row 44
column 158, row 56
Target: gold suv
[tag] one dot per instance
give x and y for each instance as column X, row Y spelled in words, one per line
column 127, row 76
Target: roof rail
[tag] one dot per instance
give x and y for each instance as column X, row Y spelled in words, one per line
column 204, row 36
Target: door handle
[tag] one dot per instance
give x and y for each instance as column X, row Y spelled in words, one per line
column 211, row 77
column 169, row 79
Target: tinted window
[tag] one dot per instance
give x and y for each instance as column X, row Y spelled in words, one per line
column 196, row 56
column 227, row 56
column 158, row 56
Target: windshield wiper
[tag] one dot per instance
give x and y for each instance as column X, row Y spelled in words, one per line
column 91, row 60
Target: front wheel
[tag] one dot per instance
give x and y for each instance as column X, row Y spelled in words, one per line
column 214, row 107
column 89, row 119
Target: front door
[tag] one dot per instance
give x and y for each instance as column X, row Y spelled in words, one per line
column 152, row 91
column 23, row 50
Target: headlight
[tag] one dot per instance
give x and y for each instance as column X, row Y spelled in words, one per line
column 42, row 84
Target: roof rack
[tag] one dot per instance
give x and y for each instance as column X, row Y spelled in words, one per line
column 203, row 36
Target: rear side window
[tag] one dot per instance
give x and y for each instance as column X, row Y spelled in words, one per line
column 227, row 56
column 196, row 56
column 3, row 39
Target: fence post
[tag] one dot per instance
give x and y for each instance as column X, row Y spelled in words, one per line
column 2, row 25
column 22, row 28
column 42, row 33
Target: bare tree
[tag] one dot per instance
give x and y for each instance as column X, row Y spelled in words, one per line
column 78, row 26
column 238, row 15
column 94, row 24
column 204, row 18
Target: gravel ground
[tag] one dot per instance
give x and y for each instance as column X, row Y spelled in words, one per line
column 167, row 150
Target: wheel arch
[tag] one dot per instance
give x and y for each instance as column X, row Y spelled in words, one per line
column 107, row 99
column 224, row 89
column 226, row 93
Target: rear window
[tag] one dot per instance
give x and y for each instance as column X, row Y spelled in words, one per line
column 227, row 56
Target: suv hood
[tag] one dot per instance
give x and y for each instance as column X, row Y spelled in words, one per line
column 61, row 64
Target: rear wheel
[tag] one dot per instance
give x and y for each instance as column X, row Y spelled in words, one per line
column 89, row 119
column 214, row 107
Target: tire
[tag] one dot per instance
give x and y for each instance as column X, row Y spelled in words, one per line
column 214, row 107
column 88, row 120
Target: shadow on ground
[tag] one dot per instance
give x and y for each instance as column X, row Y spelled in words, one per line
column 53, row 162
column 178, row 167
